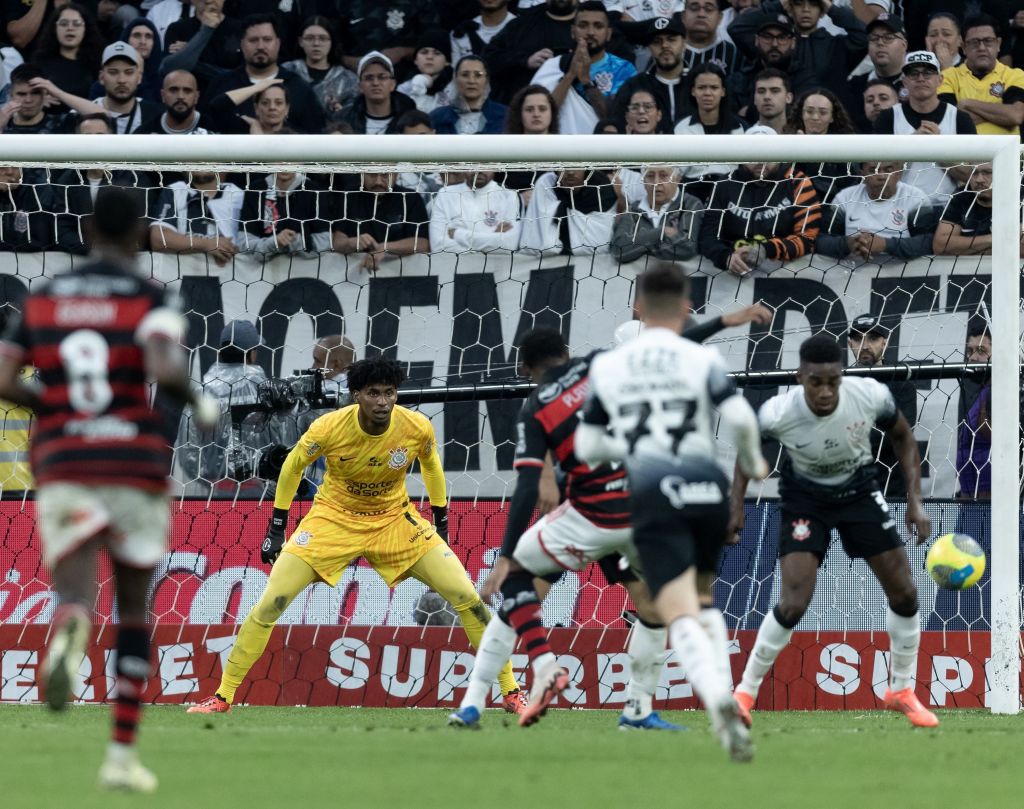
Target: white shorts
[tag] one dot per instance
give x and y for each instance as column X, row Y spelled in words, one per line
column 134, row 522
column 566, row 540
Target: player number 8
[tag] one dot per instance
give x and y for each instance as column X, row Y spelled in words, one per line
column 85, row 355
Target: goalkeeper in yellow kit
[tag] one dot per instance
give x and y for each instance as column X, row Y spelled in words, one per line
column 361, row 509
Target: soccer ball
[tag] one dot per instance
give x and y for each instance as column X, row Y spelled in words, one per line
column 955, row 562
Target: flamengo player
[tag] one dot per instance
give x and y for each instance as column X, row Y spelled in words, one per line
column 650, row 405
column 361, row 509
column 98, row 455
column 828, row 481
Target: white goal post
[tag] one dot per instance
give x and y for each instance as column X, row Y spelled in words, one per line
column 455, row 152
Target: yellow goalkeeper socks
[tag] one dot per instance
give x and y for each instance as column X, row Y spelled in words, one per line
column 475, row 618
column 289, row 577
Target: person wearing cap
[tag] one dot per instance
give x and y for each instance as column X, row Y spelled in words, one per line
column 261, row 44
column 472, row 36
column 432, row 86
column 887, row 50
column 321, row 67
column 924, row 113
column 201, row 456
column 989, row 91
column 663, row 79
column 868, row 340
column 880, row 218
column 378, row 105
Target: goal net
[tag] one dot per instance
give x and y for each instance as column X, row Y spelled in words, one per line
column 441, row 253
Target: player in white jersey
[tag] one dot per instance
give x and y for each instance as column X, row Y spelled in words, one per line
column 651, row 402
column 828, row 481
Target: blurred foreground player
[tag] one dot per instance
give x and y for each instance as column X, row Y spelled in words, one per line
column 361, row 509
column 828, row 481
column 95, row 335
column 650, row 406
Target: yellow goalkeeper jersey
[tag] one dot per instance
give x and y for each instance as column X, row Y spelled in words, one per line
column 366, row 473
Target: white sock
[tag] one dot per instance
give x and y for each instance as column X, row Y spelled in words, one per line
column 714, row 624
column 693, row 647
column 496, row 645
column 904, row 641
column 772, row 638
column 541, row 662
column 646, row 657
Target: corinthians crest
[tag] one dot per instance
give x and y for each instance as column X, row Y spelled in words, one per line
column 398, row 458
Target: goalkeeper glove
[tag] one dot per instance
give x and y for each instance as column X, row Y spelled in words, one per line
column 274, row 541
column 441, row 521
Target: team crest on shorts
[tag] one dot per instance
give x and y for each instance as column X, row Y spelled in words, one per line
column 303, row 537
column 801, row 530
column 399, row 457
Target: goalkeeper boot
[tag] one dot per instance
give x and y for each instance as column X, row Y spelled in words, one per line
column 547, row 685
column 214, row 704
column 650, row 722
column 467, row 717
column 64, row 657
column 732, row 732
column 123, row 771
column 745, row 704
column 906, row 702
column 515, row 702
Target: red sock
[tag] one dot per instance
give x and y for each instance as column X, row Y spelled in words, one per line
column 526, row 619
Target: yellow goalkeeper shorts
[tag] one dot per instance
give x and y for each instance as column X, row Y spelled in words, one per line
column 328, row 539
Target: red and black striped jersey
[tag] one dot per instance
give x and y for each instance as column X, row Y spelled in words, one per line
column 548, row 421
column 83, row 331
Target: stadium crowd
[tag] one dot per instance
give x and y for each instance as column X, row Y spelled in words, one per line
column 408, row 67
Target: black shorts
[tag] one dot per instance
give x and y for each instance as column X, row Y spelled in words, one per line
column 680, row 511
column 866, row 526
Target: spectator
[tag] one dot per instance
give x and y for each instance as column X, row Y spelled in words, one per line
column 767, row 41
column 974, row 441
column 202, row 457
column 24, row 23
column 944, row 40
column 820, row 112
column 923, row 113
column 383, row 220
column 472, row 111
column 432, row 86
column 787, row 222
column 164, row 13
column 180, row 95
column 142, row 35
column 287, row 215
column 271, row 104
column 773, row 94
column 868, row 340
column 711, row 116
column 200, row 216
column 378, row 106
column 527, row 42
column 25, row 113
column 74, row 190
column 473, row 36
column 664, row 78
column 867, row 12
column 532, row 111
column 887, row 50
column 879, row 219
column 570, row 213
column 663, row 224
column 390, row 26
column 24, row 226
column 424, row 183
column 879, row 95
column 69, row 49
column 334, row 355
column 583, row 83
column 704, row 42
column 965, row 228
column 206, row 44
column 477, row 215
column 261, row 45
column 643, row 116
column 982, row 77
column 321, row 68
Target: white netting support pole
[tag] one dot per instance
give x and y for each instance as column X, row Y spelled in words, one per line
column 1004, row 669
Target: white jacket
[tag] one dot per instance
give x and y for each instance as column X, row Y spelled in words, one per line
column 473, row 214
column 588, row 232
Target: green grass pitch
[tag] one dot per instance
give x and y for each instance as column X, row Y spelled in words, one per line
column 397, row 758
